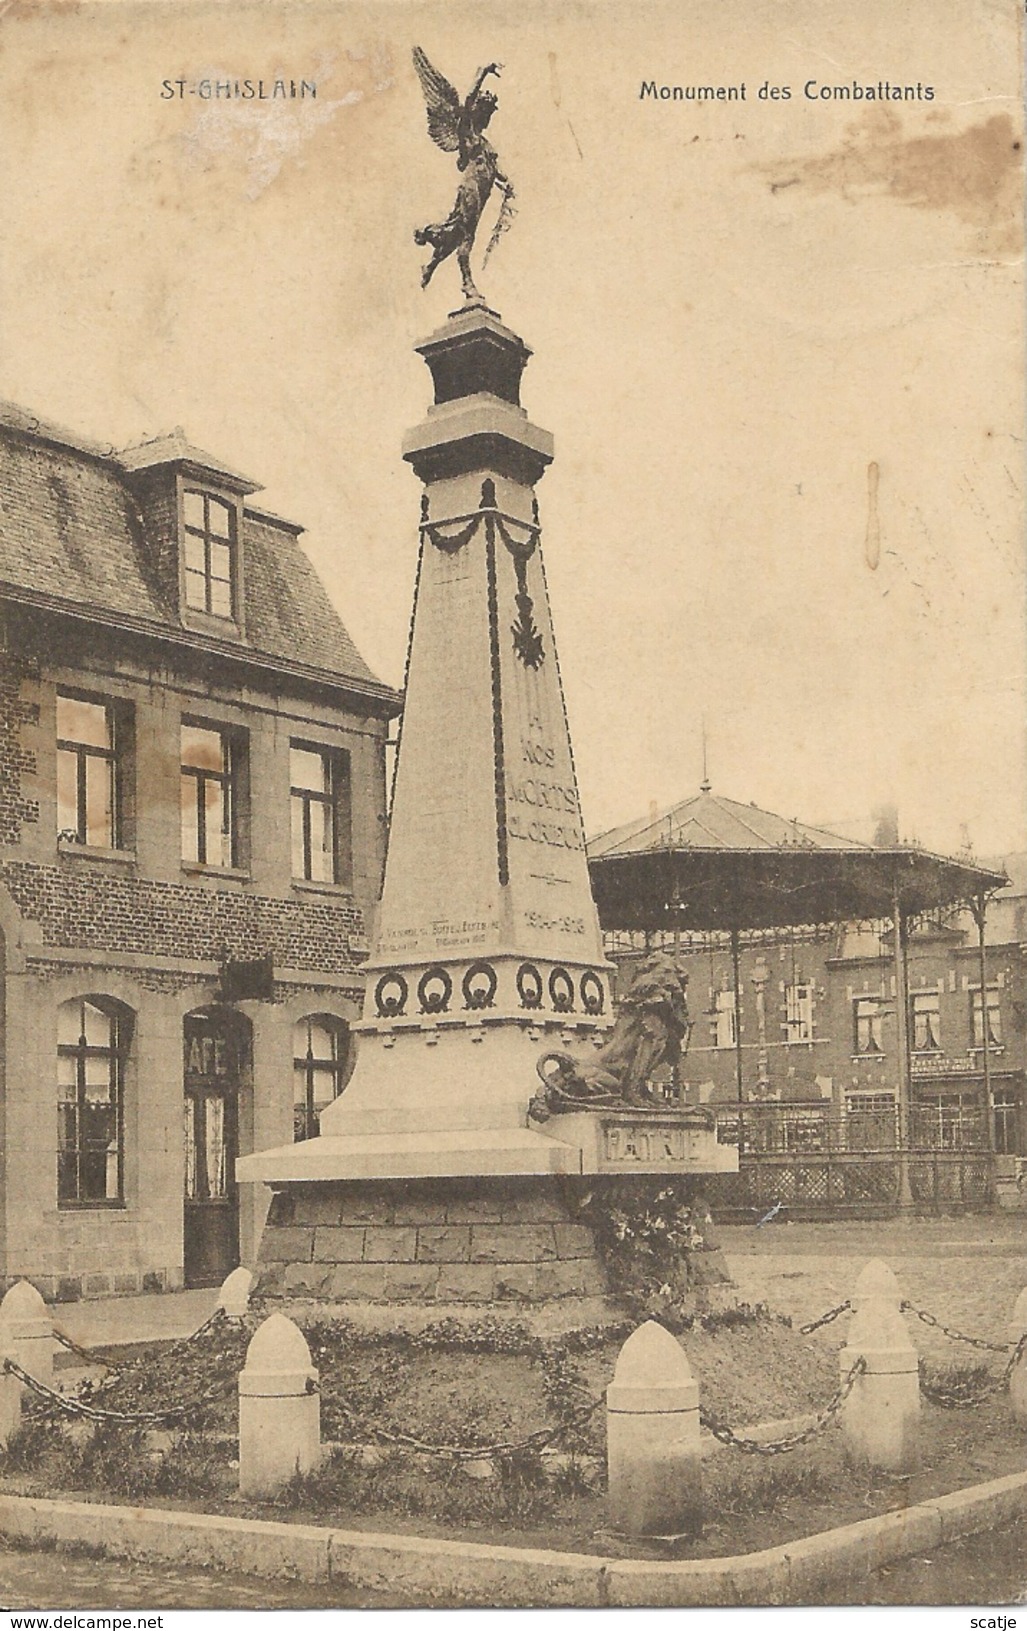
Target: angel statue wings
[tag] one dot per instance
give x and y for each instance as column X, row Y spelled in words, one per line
column 459, row 127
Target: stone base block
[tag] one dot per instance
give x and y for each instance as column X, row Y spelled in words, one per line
column 446, row 1240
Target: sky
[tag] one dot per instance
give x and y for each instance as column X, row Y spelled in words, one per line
column 778, row 341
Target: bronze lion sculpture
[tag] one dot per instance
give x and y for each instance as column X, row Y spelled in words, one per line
column 651, row 1026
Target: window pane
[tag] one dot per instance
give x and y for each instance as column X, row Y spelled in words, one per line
column 67, row 1176
column 98, row 1085
column 86, row 722
column 67, row 1075
column 221, row 562
column 193, row 507
column 67, row 1126
column 99, row 802
column 196, row 590
column 113, row 1170
column 189, row 1139
column 67, row 792
column 195, row 558
column 215, row 1146
column 92, row 1174
column 220, row 518
column 325, row 1087
column 220, row 598
column 320, row 841
column 214, row 804
column 96, row 1125
column 190, row 826
column 299, row 869
column 205, row 749
column 98, row 1026
column 323, row 1042
column 309, row 770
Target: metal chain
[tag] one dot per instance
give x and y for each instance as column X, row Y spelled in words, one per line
column 93, row 1356
column 87, row 1355
column 538, row 1440
column 72, row 1406
column 825, row 1319
column 954, row 1336
column 959, row 1398
column 781, row 1446
column 1014, row 1358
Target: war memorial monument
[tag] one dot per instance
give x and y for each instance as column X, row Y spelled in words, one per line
column 492, row 1090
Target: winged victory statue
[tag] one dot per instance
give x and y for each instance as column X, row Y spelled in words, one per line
column 459, row 127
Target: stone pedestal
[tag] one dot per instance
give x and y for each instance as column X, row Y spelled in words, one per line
column 440, row 1241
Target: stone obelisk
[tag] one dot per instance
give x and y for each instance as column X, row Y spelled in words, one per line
column 487, row 946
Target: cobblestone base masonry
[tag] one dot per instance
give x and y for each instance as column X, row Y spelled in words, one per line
column 442, row 1241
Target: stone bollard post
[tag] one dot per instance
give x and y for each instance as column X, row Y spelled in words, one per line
column 26, row 1336
column 875, row 1279
column 652, row 1437
column 279, row 1409
column 11, row 1391
column 879, row 1418
column 234, row 1296
column 26, row 1331
column 1018, row 1374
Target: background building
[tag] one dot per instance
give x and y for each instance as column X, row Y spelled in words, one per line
column 192, row 814
column 796, row 1042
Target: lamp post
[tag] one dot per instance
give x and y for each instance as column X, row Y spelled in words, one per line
column 900, row 926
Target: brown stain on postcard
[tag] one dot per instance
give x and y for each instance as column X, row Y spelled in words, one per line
column 973, row 174
column 872, row 544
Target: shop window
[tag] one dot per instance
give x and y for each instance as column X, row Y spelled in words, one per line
column 89, row 741
column 321, row 1061
column 870, row 1121
column 925, row 1018
column 868, row 1025
column 209, row 554
column 92, row 1038
column 319, row 783
column 799, row 1012
column 951, row 1121
column 212, row 765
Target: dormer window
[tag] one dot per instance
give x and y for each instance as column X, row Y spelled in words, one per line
column 210, row 554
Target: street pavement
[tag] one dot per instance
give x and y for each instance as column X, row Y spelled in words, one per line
column 52, row 1580
column 159, row 1316
column 966, row 1271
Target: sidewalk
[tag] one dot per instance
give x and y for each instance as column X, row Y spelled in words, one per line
column 160, row 1315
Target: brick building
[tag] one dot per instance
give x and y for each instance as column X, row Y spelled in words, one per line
column 827, row 1034
column 192, row 814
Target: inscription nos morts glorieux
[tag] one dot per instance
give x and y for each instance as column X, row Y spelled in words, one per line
column 543, row 795
column 544, row 832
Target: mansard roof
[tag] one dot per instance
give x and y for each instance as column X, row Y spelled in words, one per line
column 75, row 536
